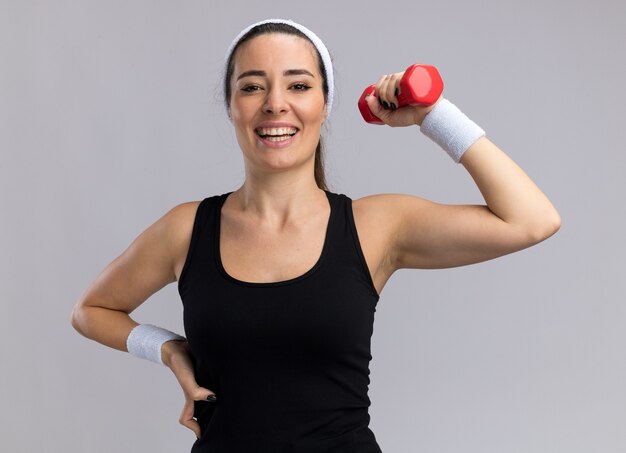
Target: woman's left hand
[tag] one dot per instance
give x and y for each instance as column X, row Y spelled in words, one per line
column 177, row 356
column 386, row 90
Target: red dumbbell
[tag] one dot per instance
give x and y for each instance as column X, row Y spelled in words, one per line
column 421, row 84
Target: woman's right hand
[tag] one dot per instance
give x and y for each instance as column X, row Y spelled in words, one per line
column 176, row 356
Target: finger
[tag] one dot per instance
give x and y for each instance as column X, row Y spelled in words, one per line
column 391, row 88
column 195, row 392
column 203, row 394
column 378, row 89
column 187, row 380
column 383, row 92
column 384, row 89
column 398, row 90
column 375, row 107
column 192, row 425
column 186, row 418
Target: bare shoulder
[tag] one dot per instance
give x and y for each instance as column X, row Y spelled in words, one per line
column 180, row 216
column 383, row 212
column 179, row 221
column 389, row 203
column 170, row 234
column 377, row 218
column 146, row 265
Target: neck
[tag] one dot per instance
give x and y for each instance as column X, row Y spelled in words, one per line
column 280, row 196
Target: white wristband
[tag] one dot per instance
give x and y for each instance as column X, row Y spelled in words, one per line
column 145, row 342
column 451, row 129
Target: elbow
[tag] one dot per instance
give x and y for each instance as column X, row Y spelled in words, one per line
column 556, row 223
column 551, row 225
column 77, row 319
column 74, row 319
column 548, row 226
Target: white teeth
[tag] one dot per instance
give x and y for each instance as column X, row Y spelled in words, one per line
column 277, row 139
column 278, row 131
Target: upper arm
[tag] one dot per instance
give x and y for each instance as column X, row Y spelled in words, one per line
column 431, row 235
column 147, row 265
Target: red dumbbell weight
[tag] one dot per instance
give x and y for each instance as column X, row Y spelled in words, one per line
column 421, row 84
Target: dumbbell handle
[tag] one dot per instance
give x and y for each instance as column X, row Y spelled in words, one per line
column 420, row 85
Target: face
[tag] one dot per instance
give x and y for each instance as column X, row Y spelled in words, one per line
column 277, row 103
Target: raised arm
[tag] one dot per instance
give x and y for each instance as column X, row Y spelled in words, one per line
column 517, row 215
column 425, row 234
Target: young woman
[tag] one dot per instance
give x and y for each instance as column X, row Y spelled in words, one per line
column 280, row 277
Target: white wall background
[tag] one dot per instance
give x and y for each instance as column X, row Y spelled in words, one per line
column 110, row 115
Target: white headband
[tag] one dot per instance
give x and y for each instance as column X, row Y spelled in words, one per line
column 321, row 48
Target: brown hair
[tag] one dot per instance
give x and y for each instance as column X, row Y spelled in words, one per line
column 319, row 173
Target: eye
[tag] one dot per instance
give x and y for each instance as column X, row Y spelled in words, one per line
column 301, row 87
column 250, row 88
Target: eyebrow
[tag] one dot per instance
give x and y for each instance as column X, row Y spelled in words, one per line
column 288, row 72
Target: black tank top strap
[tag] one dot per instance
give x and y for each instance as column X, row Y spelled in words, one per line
column 346, row 242
column 200, row 246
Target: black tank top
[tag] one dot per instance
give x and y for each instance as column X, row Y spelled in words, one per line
column 289, row 360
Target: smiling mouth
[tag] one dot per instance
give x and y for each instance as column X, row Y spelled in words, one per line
column 276, row 134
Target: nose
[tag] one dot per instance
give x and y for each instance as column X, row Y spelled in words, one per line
column 275, row 102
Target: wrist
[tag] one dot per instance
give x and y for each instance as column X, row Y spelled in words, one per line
column 451, row 129
column 145, row 341
column 422, row 112
column 172, row 347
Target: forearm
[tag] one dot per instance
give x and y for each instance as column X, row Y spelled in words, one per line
column 104, row 325
column 508, row 191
